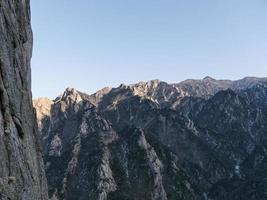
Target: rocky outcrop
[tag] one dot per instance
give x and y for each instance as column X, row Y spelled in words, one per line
column 21, row 166
column 77, row 150
column 43, row 109
column 170, row 95
column 199, row 139
column 86, row 157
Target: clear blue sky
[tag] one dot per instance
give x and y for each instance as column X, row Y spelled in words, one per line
column 89, row 44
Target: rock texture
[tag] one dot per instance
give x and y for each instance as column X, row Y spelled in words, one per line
column 21, row 166
column 198, row 139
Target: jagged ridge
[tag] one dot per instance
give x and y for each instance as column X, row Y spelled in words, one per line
column 159, row 141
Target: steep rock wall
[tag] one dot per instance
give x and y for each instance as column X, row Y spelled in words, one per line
column 21, row 167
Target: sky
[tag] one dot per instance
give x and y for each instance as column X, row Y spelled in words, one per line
column 90, row 44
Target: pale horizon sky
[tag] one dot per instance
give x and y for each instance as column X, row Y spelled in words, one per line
column 95, row 43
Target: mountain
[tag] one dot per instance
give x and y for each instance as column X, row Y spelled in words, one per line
column 198, row 139
column 22, row 173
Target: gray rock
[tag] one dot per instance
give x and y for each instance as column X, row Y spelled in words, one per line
column 21, row 167
column 199, row 139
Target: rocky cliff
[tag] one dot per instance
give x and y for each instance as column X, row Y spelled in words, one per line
column 21, row 166
column 199, row 139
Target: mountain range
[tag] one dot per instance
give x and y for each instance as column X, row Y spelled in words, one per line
column 198, row 139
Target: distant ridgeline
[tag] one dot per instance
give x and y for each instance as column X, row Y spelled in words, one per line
column 198, row 139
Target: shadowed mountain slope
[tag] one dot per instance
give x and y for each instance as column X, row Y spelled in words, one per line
column 199, row 139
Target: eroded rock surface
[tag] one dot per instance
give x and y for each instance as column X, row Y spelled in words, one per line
column 21, row 166
column 199, row 139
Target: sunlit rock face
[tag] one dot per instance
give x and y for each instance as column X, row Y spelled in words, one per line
column 21, row 166
column 43, row 110
column 198, row 139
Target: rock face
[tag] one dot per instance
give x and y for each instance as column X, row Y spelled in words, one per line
column 21, row 167
column 199, row 139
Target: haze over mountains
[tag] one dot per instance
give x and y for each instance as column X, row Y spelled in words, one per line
column 198, row 139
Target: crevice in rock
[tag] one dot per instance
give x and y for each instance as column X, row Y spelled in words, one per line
column 18, row 125
column 4, row 102
column 5, row 108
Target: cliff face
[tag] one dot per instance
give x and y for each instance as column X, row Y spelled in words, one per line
column 131, row 142
column 86, row 158
column 21, row 168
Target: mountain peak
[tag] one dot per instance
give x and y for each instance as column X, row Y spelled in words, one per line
column 43, row 107
column 208, row 78
column 149, row 84
column 70, row 90
column 153, row 83
column 71, row 94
